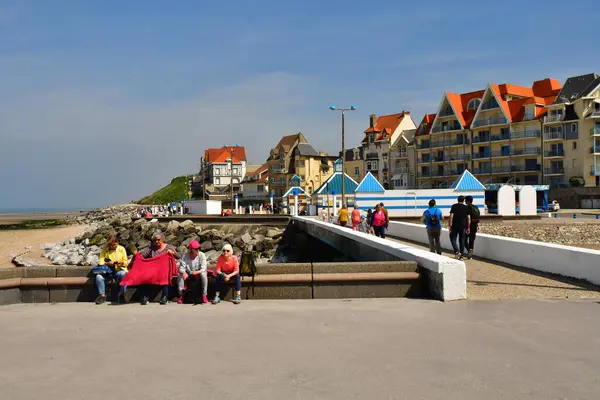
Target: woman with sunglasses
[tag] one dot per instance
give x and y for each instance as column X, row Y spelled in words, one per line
column 227, row 269
column 157, row 248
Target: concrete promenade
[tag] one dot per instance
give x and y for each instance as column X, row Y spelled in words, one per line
column 318, row 349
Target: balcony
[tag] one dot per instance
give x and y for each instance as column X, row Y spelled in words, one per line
column 459, row 157
column 402, row 155
column 499, row 153
column 501, row 137
column 595, row 171
column 532, row 133
column 423, row 160
column 554, row 170
column 481, row 171
column 446, row 112
column 555, row 153
column 479, row 139
column 423, row 174
column 446, row 128
column 422, row 145
column 438, row 159
column 528, row 151
column 280, row 170
column 490, row 105
column 481, row 155
column 595, row 149
column 401, row 170
column 554, row 118
column 525, row 168
column 459, row 142
column 595, row 131
column 495, row 120
column 440, row 143
column 554, row 135
column 504, row 169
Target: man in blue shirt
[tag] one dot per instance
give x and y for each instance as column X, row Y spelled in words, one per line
column 432, row 217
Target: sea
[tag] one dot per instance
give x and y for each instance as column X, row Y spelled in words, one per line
column 58, row 210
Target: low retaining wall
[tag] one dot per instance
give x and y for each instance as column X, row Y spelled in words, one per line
column 447, row 278
column 273, row 281
column 558, row 259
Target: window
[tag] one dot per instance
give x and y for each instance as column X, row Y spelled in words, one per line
column 371, row 138
column 574, row 163
column 573, row 128
column 217, row 181
column 574, row 145
column 596, row 107
column 473, row 104
column 356, row 171
column 235, row 171
column 217, row 171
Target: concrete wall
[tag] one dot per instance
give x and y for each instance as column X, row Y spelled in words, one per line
column 403, row 203
column 447, row 278
column 204, row 207
column 546, row 257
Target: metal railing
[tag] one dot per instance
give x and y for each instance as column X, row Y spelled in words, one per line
column 525, row 168
column 440, row 143
column 479, row 139
column 401, row 170
column 497, row 138
column 490, row 105
column 480, row 155
column 459, row 142
column 495, row 120
column 554, row 118
column 499, row 153
column 422, row 145
column 460, row 157
column 595, row 149
column 423, row 161
column 554, row 153
column 447, row 112
column 556, row 135
column 595, row 131
column 530, row 133
column 446, row 128
column 554, row 170
column 526, row 151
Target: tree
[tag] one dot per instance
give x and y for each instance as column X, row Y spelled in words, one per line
column 577, row 181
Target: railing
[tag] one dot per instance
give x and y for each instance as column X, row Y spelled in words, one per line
column 554, row 170
column 556, row 135
column 595, row 171
column 385, row 169
column 595, row 149
column 489, row 105
column 459, row 157
column 438, row 159
column 402, row 155
column 372, row 155
column 441, row 143
column 555, row 153
column 531, row 133
column 554, row 118
column 495, row 120
column 524, row 168
column 446, row 113
column 280, row 170
column 423, row 174
column 446, row 128
column 480, row 155
column 423, row 161
column 497, row 138
column 526, row 151
column 422, row 145
column 480, row 171
column 595, row 131
column 459, row 142
column 499, row 153
column 401, row 170
column 478, row 139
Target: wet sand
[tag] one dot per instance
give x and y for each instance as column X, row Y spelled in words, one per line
column 14, row 241
column 6, row 219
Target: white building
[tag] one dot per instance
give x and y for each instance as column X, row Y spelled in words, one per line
column 221, row 173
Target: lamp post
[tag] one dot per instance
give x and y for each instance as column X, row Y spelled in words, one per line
column 343, row 110
column 231, row 177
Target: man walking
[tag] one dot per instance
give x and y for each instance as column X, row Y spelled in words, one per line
column 474, row 214
column 432, row 218
column 459, row 224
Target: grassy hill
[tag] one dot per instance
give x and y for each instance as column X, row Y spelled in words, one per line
column 173, row 192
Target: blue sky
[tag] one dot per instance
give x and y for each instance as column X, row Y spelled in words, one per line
column 105, row 101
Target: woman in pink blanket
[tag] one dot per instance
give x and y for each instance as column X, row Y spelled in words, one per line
column 157, row 248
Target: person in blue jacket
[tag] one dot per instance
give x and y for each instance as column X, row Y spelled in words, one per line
column 432, row 217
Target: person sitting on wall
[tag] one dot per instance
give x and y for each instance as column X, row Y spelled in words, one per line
column 193, row 267
column 113, row 258
column 228, row 268
column 157, row 248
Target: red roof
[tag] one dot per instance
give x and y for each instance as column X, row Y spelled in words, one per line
column 385, row 126
column 426, row 122
column 222, row 155
column 263, row 170
column 459, row 103
column 542, row 93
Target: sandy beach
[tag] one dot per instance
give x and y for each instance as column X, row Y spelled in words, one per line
column 14, row 241
column 7, row 219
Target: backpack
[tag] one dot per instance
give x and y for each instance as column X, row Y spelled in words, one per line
column 248, row 268
column 433, row 218
column 475, row 214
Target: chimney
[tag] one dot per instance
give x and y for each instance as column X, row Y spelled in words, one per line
column 373, row 120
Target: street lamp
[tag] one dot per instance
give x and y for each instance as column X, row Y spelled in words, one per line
column 334, row 108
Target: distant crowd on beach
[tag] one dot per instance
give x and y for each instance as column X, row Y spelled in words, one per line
column 158, row 211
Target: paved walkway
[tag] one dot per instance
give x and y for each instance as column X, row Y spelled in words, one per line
column 304, row 349
column 488, row 280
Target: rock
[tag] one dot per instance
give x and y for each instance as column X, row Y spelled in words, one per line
column 211, row 256
column 249, row 247
column 59, row 260
column 239, row 243
column 154, row 221
column 181, row 250
column 274, row 233
column 173, row 226
column 259, row 246
column 171, row 239
column 97, row 240
column 72, row 240
column 237, row 251
column 142, row 244
column 246, row 237
column 258, row 237
column 90, row 259
column 187, row 223
column 47, row 246
column 187, row 241
column 140, row 222
column 206, row 246
column 268, row 244
column 218, row 244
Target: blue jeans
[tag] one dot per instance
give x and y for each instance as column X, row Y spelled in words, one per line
column 236, row 280
column 100, row 282
column 462, row 235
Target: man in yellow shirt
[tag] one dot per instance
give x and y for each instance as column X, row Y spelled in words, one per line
column 115, row 257
column 343, row 216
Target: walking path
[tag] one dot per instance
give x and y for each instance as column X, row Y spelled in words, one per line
column 490, row 280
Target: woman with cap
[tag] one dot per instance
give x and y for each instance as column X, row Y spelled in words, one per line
column 193, row 266
column 227, row 269
column 157, row 247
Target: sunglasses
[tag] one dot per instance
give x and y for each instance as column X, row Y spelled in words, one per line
column 226, row 251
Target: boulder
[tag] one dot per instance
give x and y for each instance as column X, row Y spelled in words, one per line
column 206, row 246
column 187, row 223
column 259, row 246
column 59, row 260
column 142, row 244
column 239, row 243
column 139, row 222
column 181, row 250
column 258, row 237
column 154, row 221
column 173, row 226
column 268, row 244
column 211, row 256
column 218, row 244
column 187, row 241
column 97, row 240
column 47, row 246
column 246, row 237
column 90, row 259
column 273, row 233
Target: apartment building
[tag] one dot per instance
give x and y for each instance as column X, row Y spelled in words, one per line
column 572, row 132
column 379, row 136
column 294, row 156
column 402, row 170
column 354, row 163
column 495, row 132
column 225, row 167
column 255, row 185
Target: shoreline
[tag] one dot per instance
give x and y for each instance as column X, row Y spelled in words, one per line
column 15, row 218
